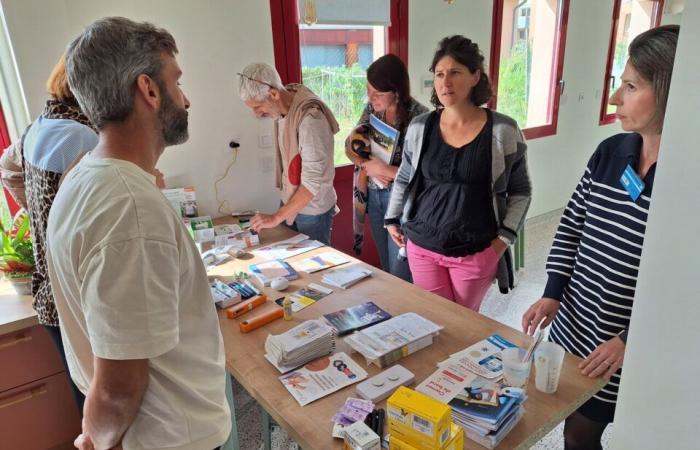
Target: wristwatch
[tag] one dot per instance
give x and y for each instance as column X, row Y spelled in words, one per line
column 505, row 240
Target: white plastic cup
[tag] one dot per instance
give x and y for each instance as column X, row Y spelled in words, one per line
column 515, row 370
column 549, row 358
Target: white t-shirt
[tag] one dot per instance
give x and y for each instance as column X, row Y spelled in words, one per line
column 129, row 284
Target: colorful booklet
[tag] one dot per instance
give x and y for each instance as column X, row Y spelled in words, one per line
column 306, row 296
column 268, row 270
column 321, row 377
column 356, row 317
column 383, row 139
column 319, row 262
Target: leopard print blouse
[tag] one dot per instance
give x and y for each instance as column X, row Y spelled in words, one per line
column 41, row 187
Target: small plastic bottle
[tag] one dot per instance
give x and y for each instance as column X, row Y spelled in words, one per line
column 287, row 307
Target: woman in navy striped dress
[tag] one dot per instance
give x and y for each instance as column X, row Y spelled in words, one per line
column 593, row 263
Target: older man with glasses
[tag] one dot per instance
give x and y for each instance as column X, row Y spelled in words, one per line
column 304, row 129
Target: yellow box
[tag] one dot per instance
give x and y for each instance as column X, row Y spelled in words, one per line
column 418, row 420
column 456, row 441
column 397, row 444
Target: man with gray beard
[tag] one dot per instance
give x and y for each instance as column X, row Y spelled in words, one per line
column 139, row 326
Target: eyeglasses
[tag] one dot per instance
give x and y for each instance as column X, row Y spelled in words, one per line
column 257, row 81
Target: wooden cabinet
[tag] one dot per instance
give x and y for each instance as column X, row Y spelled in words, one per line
column 37, row 408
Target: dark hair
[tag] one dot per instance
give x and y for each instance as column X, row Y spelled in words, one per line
column 467, row 53
column 652, row 54
column 388, row 74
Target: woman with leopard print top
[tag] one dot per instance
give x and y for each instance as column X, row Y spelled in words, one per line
column 57, row 137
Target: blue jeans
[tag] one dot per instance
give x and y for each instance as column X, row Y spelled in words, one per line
column 315, row 227
column 377, row 202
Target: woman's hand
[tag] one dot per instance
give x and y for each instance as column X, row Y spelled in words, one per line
column 545, row 308
column 604, row 360
column 378, row 169
column 499, row 247
column 396, row 235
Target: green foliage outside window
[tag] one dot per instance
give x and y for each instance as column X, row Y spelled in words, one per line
column 513, row 84
column 344, row 91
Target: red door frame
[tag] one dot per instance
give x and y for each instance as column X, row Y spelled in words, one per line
column 656, row 15
column 285, row 38
column 557, row 52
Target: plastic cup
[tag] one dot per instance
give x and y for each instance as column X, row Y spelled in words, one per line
column 549, row 358
column 515, row 370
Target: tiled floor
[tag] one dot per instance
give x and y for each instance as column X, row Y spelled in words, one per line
column 507, row 309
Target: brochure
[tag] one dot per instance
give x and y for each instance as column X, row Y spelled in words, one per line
column 356, row 317
column 482, row 358
column 287, row 248
column 306, row 296
column 321, row 377
column 344, row 277
column 382, row 139
column 266, row 271
column 321, row 262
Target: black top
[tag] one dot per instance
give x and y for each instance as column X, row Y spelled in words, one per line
column 454, row 215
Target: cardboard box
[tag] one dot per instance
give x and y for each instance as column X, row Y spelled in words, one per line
column 359, row 436
column 456, row 441
column 418, row 420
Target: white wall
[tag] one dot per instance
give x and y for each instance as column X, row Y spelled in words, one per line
column 657, row 405
column 216, row 38
column 555, row 162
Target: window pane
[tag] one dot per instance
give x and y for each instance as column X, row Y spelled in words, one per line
column 527, row 60
column 334, row 61
column 636, row 16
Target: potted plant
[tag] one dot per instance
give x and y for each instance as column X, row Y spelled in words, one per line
column 16, row 254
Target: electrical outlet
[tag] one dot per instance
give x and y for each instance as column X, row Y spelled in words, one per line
column 264, row 141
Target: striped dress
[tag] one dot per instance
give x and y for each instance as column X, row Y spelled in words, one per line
column 594, row 260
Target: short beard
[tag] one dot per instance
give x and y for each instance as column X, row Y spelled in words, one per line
column 173, row 120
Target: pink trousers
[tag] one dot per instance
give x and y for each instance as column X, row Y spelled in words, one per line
column 464, row 279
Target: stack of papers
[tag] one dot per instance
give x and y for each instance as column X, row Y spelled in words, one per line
column 303, row 343
column 387, row 342
column 486, row 413
column 466, row 381
column 347, row 276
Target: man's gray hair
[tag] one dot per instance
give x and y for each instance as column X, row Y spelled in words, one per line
column 255, row 81
column 104, row 62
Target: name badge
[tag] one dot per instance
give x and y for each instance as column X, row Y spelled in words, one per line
column 632, row 183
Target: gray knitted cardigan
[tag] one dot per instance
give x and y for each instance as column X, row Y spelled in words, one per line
column 510, row 182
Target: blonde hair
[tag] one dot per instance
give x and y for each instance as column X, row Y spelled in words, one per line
column 57, row 84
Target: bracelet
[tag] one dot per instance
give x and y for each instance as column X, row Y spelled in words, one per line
column 505, row 240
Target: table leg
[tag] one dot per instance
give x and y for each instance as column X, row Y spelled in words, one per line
column 267, row 429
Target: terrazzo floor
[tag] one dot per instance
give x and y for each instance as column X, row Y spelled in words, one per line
column 507, row 309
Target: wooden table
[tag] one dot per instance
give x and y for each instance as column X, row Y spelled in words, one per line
column 310, row 426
